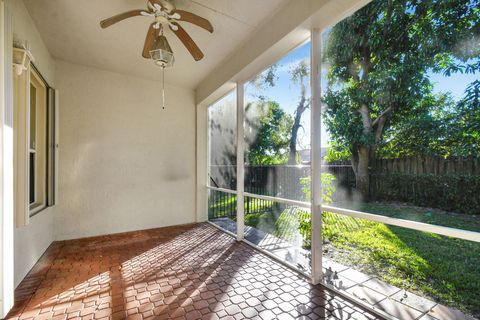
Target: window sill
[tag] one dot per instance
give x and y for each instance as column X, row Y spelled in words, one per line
column 36, row 208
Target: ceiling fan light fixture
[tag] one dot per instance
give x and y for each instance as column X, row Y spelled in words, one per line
column 161, row 53
column 162, row 56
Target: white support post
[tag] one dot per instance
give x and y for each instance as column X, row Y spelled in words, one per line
column 203, row 161
column 240, row 161
column 316, row 156
column 3, row 308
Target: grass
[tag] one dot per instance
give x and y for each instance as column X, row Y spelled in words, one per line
column 442, row 268
column 222, row 205
column 420, row 214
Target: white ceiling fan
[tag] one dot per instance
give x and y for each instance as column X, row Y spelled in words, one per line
column 165, row 15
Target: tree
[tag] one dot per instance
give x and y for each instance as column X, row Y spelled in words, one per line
column 426, row 130
column 267, row 133
column 298, row 74
column 440, row 127
column 379, row 58
column 467, row 119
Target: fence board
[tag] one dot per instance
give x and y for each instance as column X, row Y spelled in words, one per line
column 428, row 165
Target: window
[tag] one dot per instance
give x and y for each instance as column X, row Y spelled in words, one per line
column 37, row 143
column 34, row 136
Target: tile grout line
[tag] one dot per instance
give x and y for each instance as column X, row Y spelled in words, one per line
column 355, row 301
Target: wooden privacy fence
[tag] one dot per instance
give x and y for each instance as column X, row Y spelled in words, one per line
column 428, row 164
column 451, row 184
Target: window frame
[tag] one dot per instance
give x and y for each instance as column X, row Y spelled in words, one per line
column 46, row 139
column 40, row 149
column 50, row 144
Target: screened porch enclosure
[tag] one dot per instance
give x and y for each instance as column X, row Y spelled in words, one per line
column 398, row 236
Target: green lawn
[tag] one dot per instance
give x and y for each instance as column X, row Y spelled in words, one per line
column 443, row 268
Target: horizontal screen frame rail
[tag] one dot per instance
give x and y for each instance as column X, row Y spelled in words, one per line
column 409, row 224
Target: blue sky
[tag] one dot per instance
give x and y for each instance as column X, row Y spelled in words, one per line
column 287, row 93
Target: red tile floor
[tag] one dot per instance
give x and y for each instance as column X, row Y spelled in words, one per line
column 183, row 272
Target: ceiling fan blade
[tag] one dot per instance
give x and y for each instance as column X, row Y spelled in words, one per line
column 188, row 42
column 119, row 17
column 149, row 40
column 194, row 19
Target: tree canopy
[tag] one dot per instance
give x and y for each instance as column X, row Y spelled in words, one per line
column 379, row 58
column 265, row 117
column 267, row 133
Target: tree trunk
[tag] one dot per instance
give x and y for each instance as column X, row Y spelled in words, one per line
column 292, row 155
column 360, row 162
column 362, row 155
column 302, row 106
column 363, row 175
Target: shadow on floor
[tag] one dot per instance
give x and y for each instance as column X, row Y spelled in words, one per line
column 185, row 272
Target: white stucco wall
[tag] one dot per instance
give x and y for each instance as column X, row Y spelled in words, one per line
column 31, row 241
column 125, row 164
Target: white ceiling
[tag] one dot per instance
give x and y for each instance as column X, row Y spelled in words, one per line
column 71, row 31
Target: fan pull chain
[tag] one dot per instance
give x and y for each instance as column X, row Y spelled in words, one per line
column 163, row 88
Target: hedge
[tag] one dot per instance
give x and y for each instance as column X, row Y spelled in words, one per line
column 458, row 193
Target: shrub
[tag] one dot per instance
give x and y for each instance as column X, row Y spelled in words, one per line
column 304, row 219
column 459, row 193
column 328, row 188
